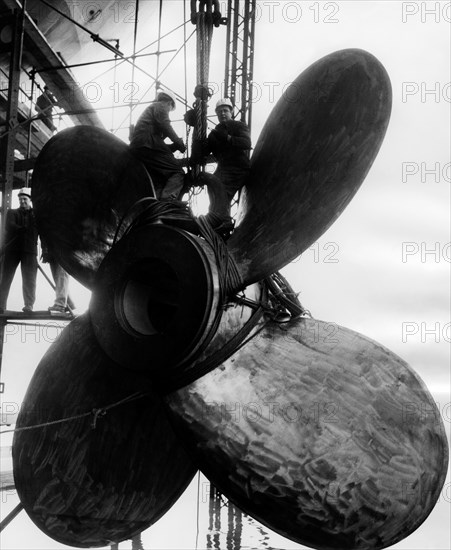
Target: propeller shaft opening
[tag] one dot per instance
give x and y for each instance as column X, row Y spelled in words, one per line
column 149, row 298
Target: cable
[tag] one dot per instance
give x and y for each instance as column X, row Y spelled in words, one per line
column 184, row 101
column 185, row 73
column 96, row 413
column 135, row 33
column 230, row 277
column 160, row 11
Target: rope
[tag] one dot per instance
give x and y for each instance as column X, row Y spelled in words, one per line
column 155, row 209
column 95, row 413
column 230, row 278
column 128, row 213
column 285, row 296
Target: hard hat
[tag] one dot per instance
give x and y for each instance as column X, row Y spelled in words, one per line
column 166, row 94
column 224, row 102
column 25, row 191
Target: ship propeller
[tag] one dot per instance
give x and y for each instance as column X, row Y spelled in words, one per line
column 311, row 428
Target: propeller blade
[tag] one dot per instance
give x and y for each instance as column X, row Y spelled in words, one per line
column 84, row 181
column 96, row 478
column 313, row 154
column 318, row 433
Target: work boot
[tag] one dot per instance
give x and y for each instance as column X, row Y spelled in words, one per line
column 57, row 309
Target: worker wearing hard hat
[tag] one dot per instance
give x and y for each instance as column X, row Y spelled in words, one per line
column 20, row 247
column 230, row 143
column 148, row 145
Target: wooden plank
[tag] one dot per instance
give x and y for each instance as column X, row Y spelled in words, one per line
column 38, row 315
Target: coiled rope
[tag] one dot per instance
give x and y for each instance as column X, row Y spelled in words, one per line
column 230, row 278
column 173, row 212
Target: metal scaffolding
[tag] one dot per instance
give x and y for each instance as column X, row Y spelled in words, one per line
column 239, row 63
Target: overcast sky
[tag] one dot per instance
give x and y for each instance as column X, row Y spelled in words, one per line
column 383, row 269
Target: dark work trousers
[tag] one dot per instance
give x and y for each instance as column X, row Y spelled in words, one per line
column 61, row 278
column 219, row 200
column 165, row 170
column 232, row 180
column 29, row 266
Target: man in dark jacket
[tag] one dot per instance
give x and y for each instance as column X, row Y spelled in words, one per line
column 44, row 106
column 148, row 145
column 230, row 143
column 20, row 247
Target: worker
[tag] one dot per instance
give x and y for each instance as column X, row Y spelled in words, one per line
column 63, row 302
column 230, row 143
column 20, row 246
column 44, row 106
column 148, row 145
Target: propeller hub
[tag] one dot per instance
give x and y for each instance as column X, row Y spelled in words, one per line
column 155, row 298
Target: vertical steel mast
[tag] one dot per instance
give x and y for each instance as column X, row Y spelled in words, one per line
column 239, row 63
column 7, row 156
